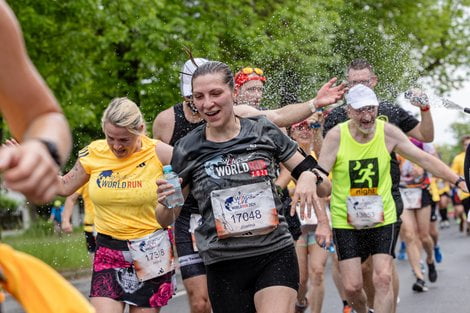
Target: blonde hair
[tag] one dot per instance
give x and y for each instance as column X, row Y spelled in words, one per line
column 122, row 112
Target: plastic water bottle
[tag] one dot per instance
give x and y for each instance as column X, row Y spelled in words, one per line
column 176, row 199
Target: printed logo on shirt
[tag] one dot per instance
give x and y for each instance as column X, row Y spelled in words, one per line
column 141, row 164
column 229, row 165
column 364, row 177
column 109, row 179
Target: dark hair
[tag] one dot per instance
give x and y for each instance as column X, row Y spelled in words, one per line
column 464, row 138
column 360, row 64
column 213, row 67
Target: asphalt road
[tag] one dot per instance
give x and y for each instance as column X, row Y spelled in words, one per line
column 448, row 294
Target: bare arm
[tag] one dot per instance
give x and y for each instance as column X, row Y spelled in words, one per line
column 74, row 179
column 293, row 113
column 164, row 152
column 306, row 194
column 424, row 131
column 398, row 141
column 67, row 213
column 163, row 125
column 329, row 149
column 31, row 112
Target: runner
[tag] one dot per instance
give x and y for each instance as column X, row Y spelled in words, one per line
column 361, row 71
column 417, row 200
column 311, row 257
column 249, row 86
column 33, row 116
column 121, row 171
column 88, row 219
column 174, row 123
column 358, row 153
column 462, row 199
column 229, row 165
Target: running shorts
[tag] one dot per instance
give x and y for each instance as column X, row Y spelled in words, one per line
column 232, row 284
column 353, row 243
column 114, row 277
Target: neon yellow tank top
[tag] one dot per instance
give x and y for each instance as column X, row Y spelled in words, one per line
column 123, row 191
column 361, row 169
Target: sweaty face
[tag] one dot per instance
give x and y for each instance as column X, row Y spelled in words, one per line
column 250, row 93
column 302, row 133
column 121, row 142
column 364, row 77
column 213, row 99
column 364, row 118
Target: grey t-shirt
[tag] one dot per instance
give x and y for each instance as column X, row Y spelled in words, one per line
column 249, row 158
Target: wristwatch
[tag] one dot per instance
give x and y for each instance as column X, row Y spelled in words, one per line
column 458, row 181
column 319, row 178
column 52, row 149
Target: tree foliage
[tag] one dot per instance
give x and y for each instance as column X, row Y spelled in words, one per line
column 90, row 51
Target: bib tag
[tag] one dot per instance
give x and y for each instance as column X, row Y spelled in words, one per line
column 365, row 211
column 247, row 210
column 313, row 220
column 411, row 197
column 152, row 255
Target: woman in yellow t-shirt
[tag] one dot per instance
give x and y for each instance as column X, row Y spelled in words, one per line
column 133, row 261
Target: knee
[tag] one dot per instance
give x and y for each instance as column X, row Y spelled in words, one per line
column 317, row 274
column 352, row 290
column 382, row 280
column 200, row 305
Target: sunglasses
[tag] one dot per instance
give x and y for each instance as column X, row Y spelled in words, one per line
column 250, row 70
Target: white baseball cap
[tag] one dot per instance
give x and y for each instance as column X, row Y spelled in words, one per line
column 361, row 96
column 186, row 75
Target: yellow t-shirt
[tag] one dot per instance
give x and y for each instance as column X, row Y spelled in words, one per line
column 37, row 286
column 123, row 191
column 89, row 218
column 457, row 167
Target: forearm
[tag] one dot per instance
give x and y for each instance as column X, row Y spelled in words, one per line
column 292, row 113
column 166, row 216
column 426, row 126
column 439, row 169
column 68, row 207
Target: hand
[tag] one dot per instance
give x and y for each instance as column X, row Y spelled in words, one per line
column 418, row 98
column 10, row 143
column 329, row 94
column 163, row 190
column 67, row 227
column 463, row 186
column 28, row 168
column 305, row 194
column 323, row 235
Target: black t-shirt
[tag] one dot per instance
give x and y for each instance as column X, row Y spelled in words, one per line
column 388, row 112
column 249, row 158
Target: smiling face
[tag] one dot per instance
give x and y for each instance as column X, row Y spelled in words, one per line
column 302, row 133
column 121, row 142
column 364, row 118
column 250, row 93
column 213, row 99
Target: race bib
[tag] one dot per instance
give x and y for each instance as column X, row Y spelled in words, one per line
column 194, row 222
column 152, row 255
column 247, row 210
column 411, row 198
column 365, row 211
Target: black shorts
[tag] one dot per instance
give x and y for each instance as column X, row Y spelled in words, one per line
column 189, row 261
column 426, row 198
column 433, row 211
column 90, row 241
column 353, row 243
column 466, row 205
column 232, row 284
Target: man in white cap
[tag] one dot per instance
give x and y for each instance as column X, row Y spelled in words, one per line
column 363, row 211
